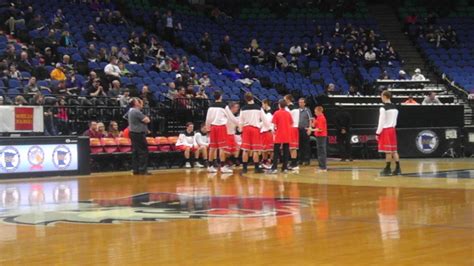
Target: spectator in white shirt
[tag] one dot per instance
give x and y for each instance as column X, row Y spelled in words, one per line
column 111, row 70
column 295, row 50
column 418, row 76
column 431, row 99
column 370, row 58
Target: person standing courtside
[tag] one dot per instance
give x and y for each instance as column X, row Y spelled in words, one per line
column 304, row 153
column 343, row 121
column 138, row 129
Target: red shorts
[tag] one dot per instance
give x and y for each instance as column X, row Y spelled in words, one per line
column 388, row 140
column 218, row 137
column 294, row 138
column 267, row 140
column 251, row 139
column 184, row 148
column 231, row 146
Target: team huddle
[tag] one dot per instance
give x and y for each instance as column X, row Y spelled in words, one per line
column 252, row 131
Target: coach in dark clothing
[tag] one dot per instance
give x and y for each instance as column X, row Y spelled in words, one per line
column 137, row 122
column 304, row 152
column 343, row 121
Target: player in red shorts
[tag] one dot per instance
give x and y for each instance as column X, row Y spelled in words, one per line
column 267, row 135
column 232, row 149
column 387, row 134
column 187, row 143
column 294, row 132
column 282, row 122
column 216, row 120
column 251, row 118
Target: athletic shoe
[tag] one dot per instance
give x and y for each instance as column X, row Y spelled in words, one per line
column 266, row 166
column 272, row 172
column 187, row 165
column 385, row 172
column 321, row 170
column 226, row 170
column 259, row 170
column 199, row 165
column 397, row 171
column 294, row 168
column 211, row 169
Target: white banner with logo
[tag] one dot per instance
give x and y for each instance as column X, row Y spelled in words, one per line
column 21, row 119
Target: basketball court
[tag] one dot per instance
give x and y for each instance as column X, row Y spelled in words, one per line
column 349, row 215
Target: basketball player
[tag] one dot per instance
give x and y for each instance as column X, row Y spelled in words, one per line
column 387, row 135
column 267, row 135
column 187, row 144
column 294, row 132
column 251, row 118
column 216, row 120
column 282, row 122
column 202, row 141
column 232, row 149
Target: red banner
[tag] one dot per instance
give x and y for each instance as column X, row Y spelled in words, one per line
column 24, row 118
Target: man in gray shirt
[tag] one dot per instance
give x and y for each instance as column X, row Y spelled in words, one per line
column 304, row 123
column 138, row 125
column 431, row 99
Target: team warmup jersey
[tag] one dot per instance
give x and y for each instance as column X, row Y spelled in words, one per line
column 201, row 139
column 186, row 139
column 268, row 126
column 232, row 122
column 216, row 115
column 295, row 114
column 252, row 115
column 387, row 117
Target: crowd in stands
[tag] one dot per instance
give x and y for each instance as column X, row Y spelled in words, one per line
column 428, row 29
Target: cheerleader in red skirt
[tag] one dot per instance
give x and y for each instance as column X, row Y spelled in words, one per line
column 387, row 134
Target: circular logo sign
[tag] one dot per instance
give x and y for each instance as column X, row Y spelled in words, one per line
column 35, row 156
column 9, row 159
column 62, row 157
column 427, row 141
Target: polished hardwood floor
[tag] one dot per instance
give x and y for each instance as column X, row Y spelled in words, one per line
column 347, row 216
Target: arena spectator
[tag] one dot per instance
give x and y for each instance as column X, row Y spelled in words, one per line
column 91, row 35
column 201, row 94
column 49, row 57
column 112, row 71
column 58, row 20
column 91, row 53
column 14, row 18
column 165, row 65
column 66, row 39
column 61, row 89
column 205, row 45
column 96, row 89
column 13, row 72
column 175, row 62
column 92, row 131
column 402, row 75
column 115, row 90
column 113, row 130
column 410, row 101
column 418, row 76
column 370, row 58
column 32, row 87
column 179, row 80
column 101, row 130
column 281, row 62
column 172, row 91
column 40, row 71
column 124, row 98
column 295, row 50
column 103, row 55
column 58, row 73
column 205, row 81
column 353, row 91
column 184, row 67
column 431, row 99
column 24, row 64
column 148, row 95
column 331, row 89
column 124, row 72
column 20, row 100
column 225, row 49
column 123, row 55
column 37, row 23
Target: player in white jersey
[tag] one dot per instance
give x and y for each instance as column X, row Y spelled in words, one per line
column 294, row 134
column 266, row 134
column 387, row 134
column 202, row 141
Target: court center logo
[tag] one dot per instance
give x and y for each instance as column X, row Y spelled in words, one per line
column 9, row 159
column 36, row 157
column 147, row 207
column 427, row 141
column 62, row 157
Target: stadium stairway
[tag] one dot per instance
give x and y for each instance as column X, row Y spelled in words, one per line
column 391, row 27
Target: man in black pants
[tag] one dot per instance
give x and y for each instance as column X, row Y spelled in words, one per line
column 343, row 121
column 304, row 123
column 137, row 123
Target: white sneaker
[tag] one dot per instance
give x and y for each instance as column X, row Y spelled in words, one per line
column 187, row 165
column 296, row 168
column 272, row 172
column 266, row 166
column 199, row 165
column 226, row 170
column 211, row 169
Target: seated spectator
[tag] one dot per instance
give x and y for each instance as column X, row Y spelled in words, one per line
column 31, row 87
column 103, row 56
column 124, row 98
column 418, row 76
column 123, row 55
column 36, row 23
column 233, row 75
column 338, row 31
column 58, row 73
column 225, row 49
column 38, row 100
column 113, row 130
column 175, row 62
column 91, row 53
column 384, row 75
column 20, row 100
column 90, row 80
column 205, row 45
column 165, row 65
column 92, row 132
column 172, row 91
column 205, row 81
column 114, row 51
column 402, row 75
column 14, row 18
column 353, row 91
column 67, row 64
column 96, row 90
column 61, row 89
column 41, row 72
column 91, row 35
column 73, row 84
column 306, row 50
column 187, row 143
column 50, row 59
column 148, row 95
column 124, row 72
column 101, row 130
column 331, row 89
column 201, row 94
column 179, row 81
column 249, row 74
column 13, row 73
column 431, row 99
column 66, row 39
column 202, row 143
column 115, row 90
column 112, row 71
column 58, row 20
column 24, row 63
column 184, row 66
column 410, row 101
column 295, row 50
column 370, row 58
column 281, row 62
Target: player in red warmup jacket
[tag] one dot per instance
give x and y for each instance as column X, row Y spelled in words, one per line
column 283, row 123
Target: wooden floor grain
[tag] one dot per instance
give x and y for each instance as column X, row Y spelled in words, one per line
column 348, row 216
